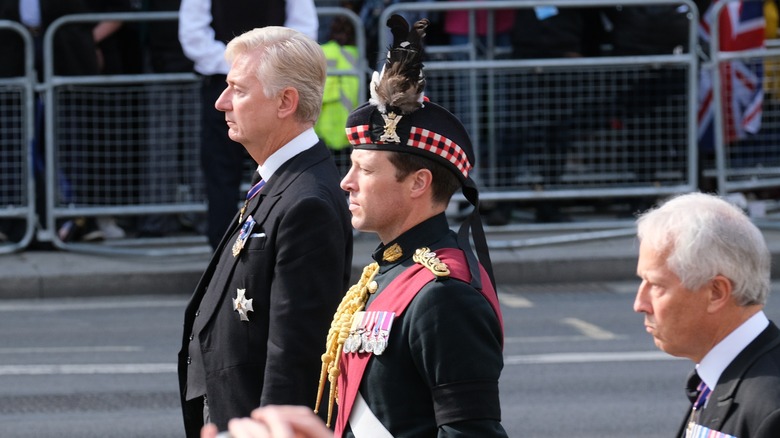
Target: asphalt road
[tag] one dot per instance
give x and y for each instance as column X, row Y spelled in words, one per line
column 578, row 363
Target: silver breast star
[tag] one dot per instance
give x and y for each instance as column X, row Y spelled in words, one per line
column 242, row 305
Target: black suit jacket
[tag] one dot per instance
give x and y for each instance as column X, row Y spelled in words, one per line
column 746, row 400
column 295, row 268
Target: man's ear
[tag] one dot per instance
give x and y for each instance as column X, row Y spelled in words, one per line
column 288, row 102
column 720, row 293
column 421, row 181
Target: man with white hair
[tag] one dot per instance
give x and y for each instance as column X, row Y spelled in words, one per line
column 705, row 271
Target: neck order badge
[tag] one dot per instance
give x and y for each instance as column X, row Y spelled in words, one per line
column 247, row 225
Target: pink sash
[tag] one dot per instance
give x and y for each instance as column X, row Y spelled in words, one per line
column 395, row 298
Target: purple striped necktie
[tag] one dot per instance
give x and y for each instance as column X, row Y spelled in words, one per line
column 701, row 399
column 253, row 191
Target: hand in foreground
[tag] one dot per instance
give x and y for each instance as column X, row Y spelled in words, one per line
column 274, row 422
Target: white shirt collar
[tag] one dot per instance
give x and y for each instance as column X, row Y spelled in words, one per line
column 304, row 141
column 715, row 362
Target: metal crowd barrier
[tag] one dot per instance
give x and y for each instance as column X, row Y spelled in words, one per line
column 17, row 186
column 120, row 145
column 750, row 161
column 127, row 146
column 555, row 129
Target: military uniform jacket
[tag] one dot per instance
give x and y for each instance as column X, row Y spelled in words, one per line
column 295, row 267
column 438, row 375
column 746, row 400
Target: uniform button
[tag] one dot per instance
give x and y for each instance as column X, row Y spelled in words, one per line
column 189, row 360
column 197, row 313
column 192, row 337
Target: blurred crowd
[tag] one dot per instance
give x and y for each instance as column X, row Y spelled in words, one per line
column 114, row 47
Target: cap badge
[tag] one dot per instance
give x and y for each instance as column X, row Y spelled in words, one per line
column 391, row 125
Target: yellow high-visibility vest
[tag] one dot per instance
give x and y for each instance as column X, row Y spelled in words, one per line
column 340, row 96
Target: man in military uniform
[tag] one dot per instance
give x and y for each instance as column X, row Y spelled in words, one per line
column 415, row 348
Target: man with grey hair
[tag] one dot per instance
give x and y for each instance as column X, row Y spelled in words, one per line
column 705, row 271
column 205, row 28
column 253, row 328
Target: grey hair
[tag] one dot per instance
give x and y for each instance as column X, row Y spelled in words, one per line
column 286, row 58
column 706, row 236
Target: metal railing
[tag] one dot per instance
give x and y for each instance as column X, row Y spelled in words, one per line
column 743, row 161
column 557, row 128
column 17, row 185
column 544, row 130
column 128, row 145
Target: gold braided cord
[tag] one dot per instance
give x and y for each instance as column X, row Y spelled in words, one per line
column 354, row 301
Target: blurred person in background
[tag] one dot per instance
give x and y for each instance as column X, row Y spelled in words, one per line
column 551, row 106
column 172, row 171
column 79, row 49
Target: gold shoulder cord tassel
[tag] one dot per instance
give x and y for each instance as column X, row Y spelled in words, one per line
column 354, row 301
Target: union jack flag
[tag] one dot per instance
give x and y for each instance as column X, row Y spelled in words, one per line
column 741, row 27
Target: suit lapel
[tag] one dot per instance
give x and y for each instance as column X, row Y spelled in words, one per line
column 259, row 207
column 225, row 264
column 276, row 186
column 720, row 403
column 224, row 260
column 211, row 270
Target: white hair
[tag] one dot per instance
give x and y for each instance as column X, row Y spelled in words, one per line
column 706, row 236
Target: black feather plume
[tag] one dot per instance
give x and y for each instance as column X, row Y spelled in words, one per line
column 399, row 88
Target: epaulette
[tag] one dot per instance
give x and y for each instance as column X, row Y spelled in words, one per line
column 427, row 258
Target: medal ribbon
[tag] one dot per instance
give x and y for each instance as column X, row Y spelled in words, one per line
column 249, row 195
column 254, row 190
column 704, row 393
column 408, row 283
column 388, row 321
column 694, row 429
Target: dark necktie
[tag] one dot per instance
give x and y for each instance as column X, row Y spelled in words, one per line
column 698, row 393
column 691, row 386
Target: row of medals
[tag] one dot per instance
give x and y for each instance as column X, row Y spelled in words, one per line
column 369, row 332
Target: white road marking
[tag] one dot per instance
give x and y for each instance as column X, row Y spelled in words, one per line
column 69, row 369
column 514, row 301
column 559, row 358
column 592, row 331
column 56, row 306
column 48, row 350
column 546, row 339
